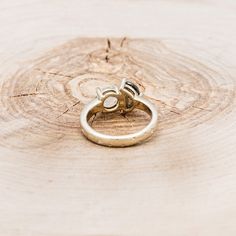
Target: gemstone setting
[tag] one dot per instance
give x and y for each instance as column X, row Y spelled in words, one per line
column 133, row 86
column 123, row 99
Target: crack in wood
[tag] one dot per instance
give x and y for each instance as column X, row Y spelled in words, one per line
column 55, row 73
column 68, row 109
column 203, row 109
column 108, row 50
column 26, row 94
column 122, row 42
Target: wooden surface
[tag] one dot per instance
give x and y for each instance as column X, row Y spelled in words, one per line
column 53, row 54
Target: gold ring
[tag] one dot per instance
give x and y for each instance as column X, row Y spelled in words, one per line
column 112, row 99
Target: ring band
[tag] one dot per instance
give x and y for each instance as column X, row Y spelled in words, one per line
column 112, row 99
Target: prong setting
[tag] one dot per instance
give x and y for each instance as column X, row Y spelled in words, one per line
column 123, row 99
column 130, row 86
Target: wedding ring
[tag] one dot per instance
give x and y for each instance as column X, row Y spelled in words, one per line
column 124, row 99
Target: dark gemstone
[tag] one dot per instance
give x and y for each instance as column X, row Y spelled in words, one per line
column 134, row 86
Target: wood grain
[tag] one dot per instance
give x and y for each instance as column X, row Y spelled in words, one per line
column 54, row 181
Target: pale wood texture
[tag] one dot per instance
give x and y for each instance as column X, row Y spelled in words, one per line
column 53, row 54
